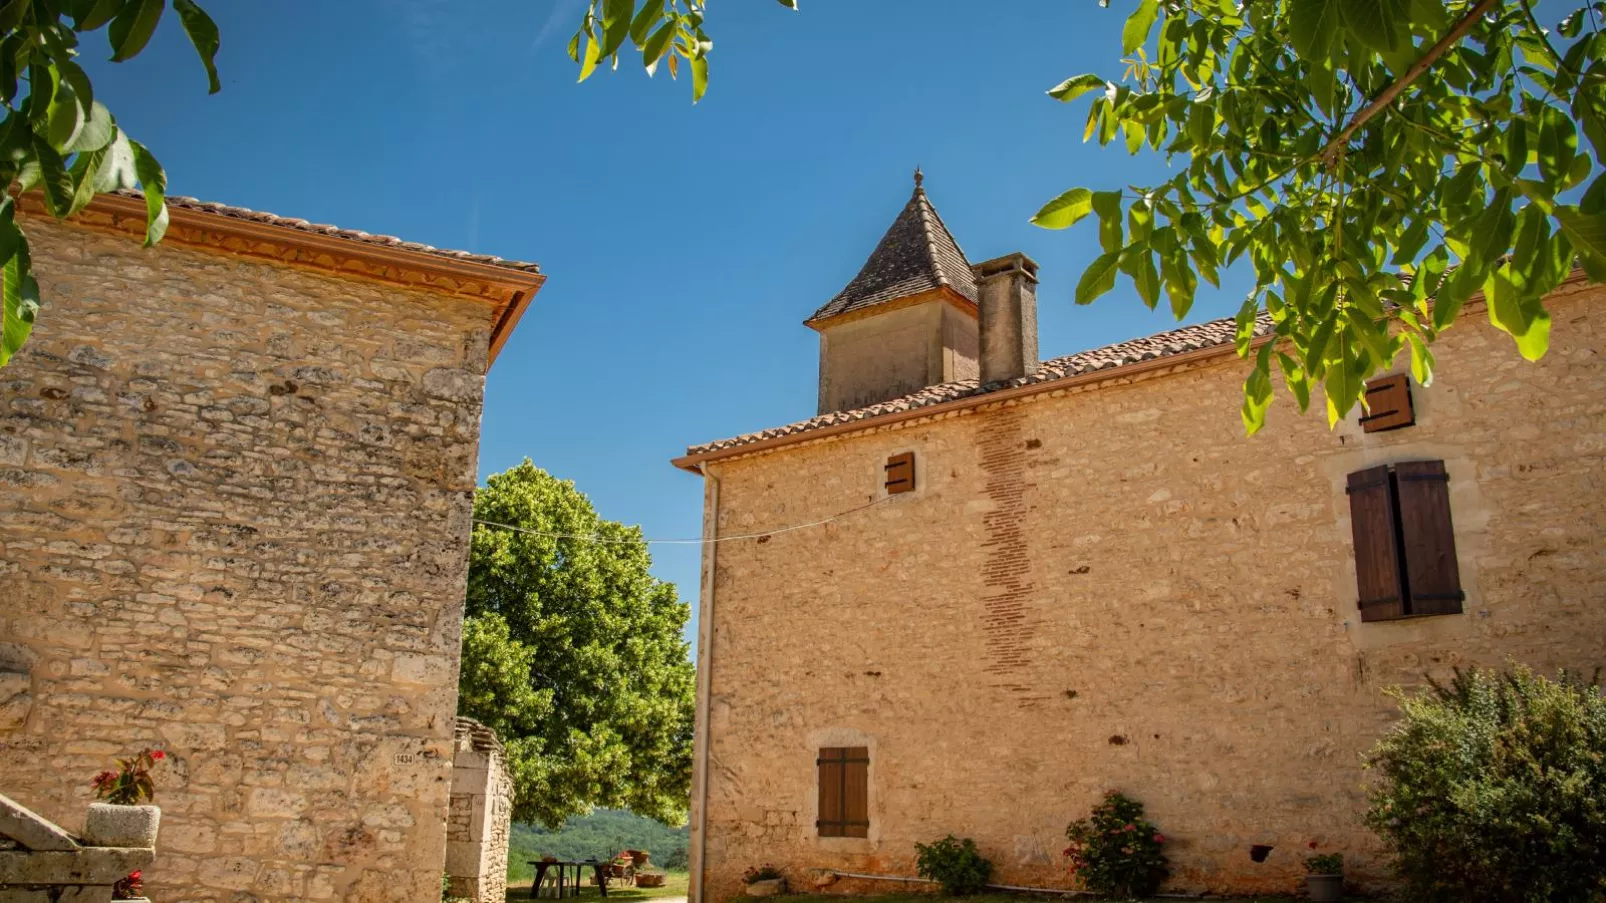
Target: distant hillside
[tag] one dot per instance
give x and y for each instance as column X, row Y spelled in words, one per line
column 595, row 836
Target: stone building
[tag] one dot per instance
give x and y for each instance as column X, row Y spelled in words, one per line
column 1032, row 582
column 479, row 821
column 236, row 475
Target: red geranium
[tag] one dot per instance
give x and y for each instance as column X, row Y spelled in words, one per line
column 131, row 783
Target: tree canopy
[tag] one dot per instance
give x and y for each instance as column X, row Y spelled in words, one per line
column 58, row 138
column 572, row 652
column 1377, row 163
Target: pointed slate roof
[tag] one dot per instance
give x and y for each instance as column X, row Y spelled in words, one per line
column 917, row 254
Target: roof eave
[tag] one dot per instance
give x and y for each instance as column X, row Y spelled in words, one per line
column 508, row 290
column 940, row 293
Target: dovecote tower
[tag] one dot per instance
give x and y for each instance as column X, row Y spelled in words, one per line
column 907, row 321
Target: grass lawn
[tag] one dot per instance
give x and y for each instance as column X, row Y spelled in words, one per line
column 675, row 886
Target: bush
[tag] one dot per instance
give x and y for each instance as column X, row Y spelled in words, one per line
column 956, row 864
column 1494, row 788
column 1116, row 851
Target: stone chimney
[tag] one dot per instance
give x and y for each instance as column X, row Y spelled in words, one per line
column 1007, row 287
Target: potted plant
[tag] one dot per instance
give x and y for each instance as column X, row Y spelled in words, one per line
column 1324, row 881
column 764, row 881
column 131, row 888
column 122, row 818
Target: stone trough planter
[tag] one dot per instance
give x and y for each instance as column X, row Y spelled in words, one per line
column 770, row 888
column 109, row 825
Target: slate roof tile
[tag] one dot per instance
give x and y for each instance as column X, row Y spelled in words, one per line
column 916, row 254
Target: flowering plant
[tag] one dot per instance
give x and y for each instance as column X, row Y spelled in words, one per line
column 131, row 783
column 130, row 888
column 1324, row 863
column 1116, row 851
column 757, row 873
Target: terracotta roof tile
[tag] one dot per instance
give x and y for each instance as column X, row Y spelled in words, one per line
column 301, row 225
column 1109, row 357
column 916, row 254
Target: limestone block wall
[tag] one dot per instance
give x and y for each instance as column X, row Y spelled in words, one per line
column 1115, row 589
column 234, row 516
column 480, row 818
column 868, row 359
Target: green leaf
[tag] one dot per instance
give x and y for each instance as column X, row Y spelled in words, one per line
column 615, row 25
column 65, row 118
column 1296, row 379
column 1244, row 323
column 1107, row 204
column 203, row 34
column 74, row 74
column 53, row 178
column 98, row 130
column 1342, row 384
column 1138, row 25
column 132, row 28
column 95, row 14
column 83, row 171
column 1421, row 360
column 651, row 12
column 1587, row 232
column 1066, row 210
column 19, row 294
column 1257, row 395
column 1558, row 145
column 1379, row 24
column 153, row 182
column 593, row 54
column 1098, row 278
column 1138, row 262
column 1075, row 86
column 12, row 13
column 1519, row 313
column 1312, row 26
column 789, row 4
column 116, row 170
column 699, row 77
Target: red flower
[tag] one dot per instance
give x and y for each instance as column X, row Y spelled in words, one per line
column 158, row 754
column 1313, row 844
column 1159, row 838
column 136, row 874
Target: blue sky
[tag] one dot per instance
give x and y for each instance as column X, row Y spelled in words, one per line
column 683, row 245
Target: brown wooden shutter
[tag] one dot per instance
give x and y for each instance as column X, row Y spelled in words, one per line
column 1378, row 575
column 830, row 818
column 900, row 473
column 844, row 792
column 1388, row 404
column 1428, row 538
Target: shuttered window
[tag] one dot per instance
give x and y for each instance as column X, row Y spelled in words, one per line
column 900, row 473
column 844, row 792
column 1405, row 564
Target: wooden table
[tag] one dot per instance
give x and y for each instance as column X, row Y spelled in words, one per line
column 570, row 889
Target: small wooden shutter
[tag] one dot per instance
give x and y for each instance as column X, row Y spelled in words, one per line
column 1428, row 537
column 844, row 792
column 900, row 473
column 1378, row 575
column 1388, row 404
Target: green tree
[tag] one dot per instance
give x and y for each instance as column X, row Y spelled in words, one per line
column 1376, row 162
column 56, row 137
column 572, row 652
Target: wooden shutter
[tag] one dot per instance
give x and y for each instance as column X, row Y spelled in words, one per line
column 1378, row 575
column 1388, row 404
column 1428, row 538
column 844, row 792
column 900, row 473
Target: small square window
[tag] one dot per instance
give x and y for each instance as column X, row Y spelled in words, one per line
column 1388, row 404
column 901, row 473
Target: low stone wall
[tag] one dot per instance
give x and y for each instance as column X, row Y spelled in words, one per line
column 480, row 815
column 41, row 863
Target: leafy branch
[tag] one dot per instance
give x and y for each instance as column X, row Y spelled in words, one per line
column 57, row 138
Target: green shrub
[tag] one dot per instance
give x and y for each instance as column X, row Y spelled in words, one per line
column 956, row 864
column 1116, row 851
column 1494, row 789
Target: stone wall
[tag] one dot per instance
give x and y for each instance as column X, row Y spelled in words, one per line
column 869, row 359
column 1114, row 589
column 480, row 820
column 234, row 518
